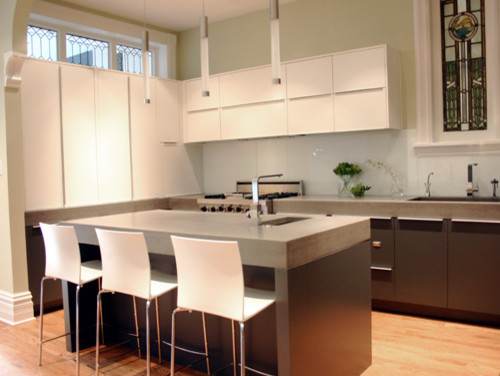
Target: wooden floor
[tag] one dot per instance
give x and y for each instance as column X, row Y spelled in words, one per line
column 402, row 345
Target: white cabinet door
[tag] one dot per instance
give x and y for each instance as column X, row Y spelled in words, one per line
column 310, row 115
column 203, row 126
column 359, row 69
column 194, row 100
column 168, row 110
column 144, row 141
column 309, row 77
column 251, row 121
column 79, row 135
column 115, row 182
column 361, row 110
column 250, row 86
column 41, row 123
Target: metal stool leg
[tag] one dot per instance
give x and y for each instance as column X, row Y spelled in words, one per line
column 41, row 323
column 242, row 348
column 205, row 340
column 137, row 328
column 77, row 329
column 97, row 331
column 158, row 330
column 235, row 363
column 172, row 347
column 148, row 355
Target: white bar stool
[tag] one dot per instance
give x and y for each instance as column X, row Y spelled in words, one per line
column 210, row 277
column 62, row 261
column 126, row 270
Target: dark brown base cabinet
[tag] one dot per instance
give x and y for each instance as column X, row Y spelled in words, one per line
column 440, row 268
column 474, row 267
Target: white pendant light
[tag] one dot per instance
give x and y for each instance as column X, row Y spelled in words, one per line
column 275, row 41
column 205, row 75
column 145, row 61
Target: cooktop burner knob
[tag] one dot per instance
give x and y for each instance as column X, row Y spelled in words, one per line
column 221, row 208
column 230, row 208
column 204, row 209
column 213, row 209
column 239, row 209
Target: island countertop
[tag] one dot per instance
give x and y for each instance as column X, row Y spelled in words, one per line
column 283, row 246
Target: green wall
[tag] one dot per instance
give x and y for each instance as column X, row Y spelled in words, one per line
column 307, row 28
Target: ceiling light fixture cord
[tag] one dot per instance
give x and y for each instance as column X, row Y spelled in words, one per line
column 204, row 68
column 275, row 41
column 145, row 61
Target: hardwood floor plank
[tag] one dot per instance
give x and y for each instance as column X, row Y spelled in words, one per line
column 402, row 345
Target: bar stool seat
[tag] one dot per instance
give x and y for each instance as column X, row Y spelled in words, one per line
column 126, row 269
column 62, row 261
column 210, row 277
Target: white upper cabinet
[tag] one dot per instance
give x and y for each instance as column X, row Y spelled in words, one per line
column 79, row 135
column 367, row 87
column 168, row 110
column 310, row 115
column 202, row 126
column 360, row 69
column 250, row 86
column 309, row 77
column 41, row 123
column 194, row 100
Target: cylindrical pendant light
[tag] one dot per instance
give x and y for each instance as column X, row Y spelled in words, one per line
column 275, row 41
column 205, row 75
column 145, row 67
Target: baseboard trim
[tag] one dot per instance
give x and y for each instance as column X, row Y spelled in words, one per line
column 16, row 308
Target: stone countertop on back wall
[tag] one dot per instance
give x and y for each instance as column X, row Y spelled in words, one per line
column 375, row 206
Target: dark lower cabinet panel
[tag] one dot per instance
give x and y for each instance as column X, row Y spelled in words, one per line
column 421, row 262
column 382, row 253
column 474, row 267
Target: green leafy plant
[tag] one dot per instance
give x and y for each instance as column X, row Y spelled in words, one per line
column 359, row 190
column 346, row 168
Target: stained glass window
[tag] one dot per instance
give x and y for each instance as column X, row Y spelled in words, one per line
column 129, row 59
column 41, row 43
column 464, row 65
column 86, row 51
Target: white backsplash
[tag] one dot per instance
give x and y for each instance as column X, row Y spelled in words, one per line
column 312, row 159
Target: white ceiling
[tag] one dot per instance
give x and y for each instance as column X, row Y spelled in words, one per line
column 175, row 15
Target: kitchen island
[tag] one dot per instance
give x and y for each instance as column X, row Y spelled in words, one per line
column 318, row 266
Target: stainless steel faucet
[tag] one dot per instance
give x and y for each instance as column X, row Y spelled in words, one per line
column 471, row 188
column 254, row 208
column 428, row 185
column 495, row 186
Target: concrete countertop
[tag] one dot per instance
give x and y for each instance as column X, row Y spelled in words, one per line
column 286, row 246
column 389, row 207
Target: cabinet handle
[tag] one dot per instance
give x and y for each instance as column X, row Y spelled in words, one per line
column 420, row 219
column 474, row 220
column 376, row 244
column 381, row 268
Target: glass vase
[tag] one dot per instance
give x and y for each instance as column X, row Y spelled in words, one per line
column 344, row 186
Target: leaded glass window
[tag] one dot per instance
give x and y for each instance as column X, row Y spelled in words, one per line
column 129, row 59
column 464, row 65
column 41, row 43
column 86, row 51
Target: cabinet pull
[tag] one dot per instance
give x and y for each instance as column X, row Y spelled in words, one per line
column 420, row 219
column 376, row 244
column 381, row 268
column 474, row 220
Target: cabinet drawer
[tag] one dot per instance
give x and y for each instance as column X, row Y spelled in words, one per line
column 382, row 252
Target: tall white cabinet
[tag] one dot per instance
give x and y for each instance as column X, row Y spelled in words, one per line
column 41, row 116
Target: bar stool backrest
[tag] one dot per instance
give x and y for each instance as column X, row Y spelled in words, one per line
column 125, row 263
column 62, row 252
column 209, row 276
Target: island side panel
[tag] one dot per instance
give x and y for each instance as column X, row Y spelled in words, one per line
column 324, row 315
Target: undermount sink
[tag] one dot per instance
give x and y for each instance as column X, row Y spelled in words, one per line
column 457, row 199
column 282, row 221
